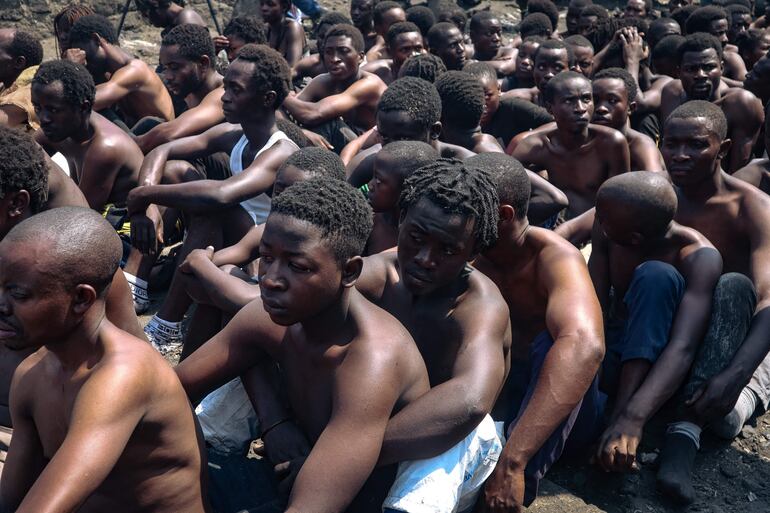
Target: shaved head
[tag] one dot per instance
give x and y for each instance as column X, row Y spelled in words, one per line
column 646, row 200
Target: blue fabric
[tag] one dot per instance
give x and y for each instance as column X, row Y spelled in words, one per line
column 309, row 7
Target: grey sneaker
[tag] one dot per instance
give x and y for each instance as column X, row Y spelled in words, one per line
column 165, row 339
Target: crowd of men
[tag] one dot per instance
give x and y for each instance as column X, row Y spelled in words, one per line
column 428, row 258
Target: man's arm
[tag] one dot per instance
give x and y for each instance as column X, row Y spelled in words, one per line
column 243, row 251
column 312, row 113
column 295, row 44
column 98, row 175
column 618, row 155
column 599, row 265
column 546, row 199
column 745, row 121
column 648, row 155
column 122, row 83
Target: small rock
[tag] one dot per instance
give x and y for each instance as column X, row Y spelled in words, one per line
column 648, row 458
column 751, row 496
column 728, row 469
column 748, row 431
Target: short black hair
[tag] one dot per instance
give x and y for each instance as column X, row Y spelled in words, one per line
column 333, row 18
column 77, row 83
column 578, row 41
column 293, row 132
column 437, row 32
column 595, row 10
column 339, row 210
column 86, row 26
column 549, row 93
column 668, row 48
column 408, row 156
column 535, row 24
column 457, row 189
column 381, row 8
column 546, row 7
column 736, row 9
column 481, row 17
column 426, row 66
column 317, row 161
column 416, row 97
column 699, row 42
column 749, row 40
column 510, row 179
column 346, row 30
column 554, row 44
column 659, row 29
column 23, row 167
column 193, row 41
column 449, row 11
column 422, row 17
column 681, row 15
column 462, row 99
column 701, row 18
column 646, row 197
column 28, row 46
column 702, row 109
column 398, row 28
column 481, row 70
column 271, row 72
column 632, row 90
column 248, row 28
column 66, row 231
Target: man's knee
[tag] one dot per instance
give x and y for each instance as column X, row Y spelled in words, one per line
column 180, row 171
column 733, row 287
column 658, row 278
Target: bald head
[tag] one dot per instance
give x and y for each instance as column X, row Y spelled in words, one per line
column 645, row 200
column 81, row 246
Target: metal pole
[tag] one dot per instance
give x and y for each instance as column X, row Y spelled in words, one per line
column 213, row 16
column 123, row 16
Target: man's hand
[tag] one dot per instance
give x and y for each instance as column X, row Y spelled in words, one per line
column 633, row 45
column 76, row 55
column 221, row 43
column 617, row 446
column 317, row 139
column 287, row 472
column 147, row 231
column 504, row 491
column 715, row 398
column 285, row 443
column 195, row 256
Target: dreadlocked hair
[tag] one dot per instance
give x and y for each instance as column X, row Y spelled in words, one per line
column 68, row 16
column 457, row 189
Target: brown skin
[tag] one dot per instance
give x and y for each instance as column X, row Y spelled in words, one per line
column 12, row 67
column 170, row 16
column 379, row 50
column 122, row 80
column 459, row 322
column 548, row 63
column 488, row 46
column 344, row 91
column 546, row 284
column 757, row 173
column 578, row 157
column 100, row 418
column 284, row 34
column 348, row 365
column 699, row 79
column 403, row 46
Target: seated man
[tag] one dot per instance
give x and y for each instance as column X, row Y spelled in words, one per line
column 167, row 14
column 522, row 77
column 403, row 40
column 757, row 172
column 462, row 105
column 573, row 16
column 240, row 31
column 188, row 60
column 284, row 34
column 559, row 343
column 384, row 15
column 363, row 365
column 220, row 212
column 752, row 46
column 583, row 51
column 700, row 73
column 425, row 66
column 22, row 52
column 713, row 20
column 313, row 65
column 93, row 402
column 487, row 36
column 342, row 103
column 551, row 58
column 126, row 86
column 446, row 41
column 103, row 160
column 362, row 15
column 577, row 156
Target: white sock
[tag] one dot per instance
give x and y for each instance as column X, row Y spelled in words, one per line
column 688, row 429
column 136, row 282
column 168, row 324
column 732, row 423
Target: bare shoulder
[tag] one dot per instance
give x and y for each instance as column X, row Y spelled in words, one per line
column 755, row 204
column 753, row 172
column 482, row 298
column 741, row 101
column 607, row 135
column 382, row 336
column 376, row 66
column 640, row 140
column 371, row 82
column 113, row 143
column 672, row 87
column 378, row 271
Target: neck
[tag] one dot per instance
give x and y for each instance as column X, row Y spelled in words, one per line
column 573, row 139
column 510, row 245
column 82, row 344
column 84, row 132
column 366, row 28
column 460, row 136
column 116, row 57
column 10, row 79
column 702, row 191
column 331, row 322
column 347, row 82
column 210, row 82
column 258, row 131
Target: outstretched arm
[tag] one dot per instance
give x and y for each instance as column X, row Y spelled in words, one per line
column 122, row 83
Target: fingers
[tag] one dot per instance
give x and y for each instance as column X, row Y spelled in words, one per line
column 697, row 395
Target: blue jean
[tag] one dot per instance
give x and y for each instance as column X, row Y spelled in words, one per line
column 308, row 7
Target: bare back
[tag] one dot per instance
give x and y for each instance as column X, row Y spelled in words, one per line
column 147, row 96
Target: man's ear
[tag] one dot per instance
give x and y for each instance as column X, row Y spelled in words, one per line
column 435, row 131
column 351, row 271
column 724, row 148
column 18, row 204
column 632, row 107
column 20, row 62
column 269, row 99
column 85, row 296
column 204, row 61
column 507, row 213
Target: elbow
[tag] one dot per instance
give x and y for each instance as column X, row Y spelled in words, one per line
column 560, row 200
column 475, row 407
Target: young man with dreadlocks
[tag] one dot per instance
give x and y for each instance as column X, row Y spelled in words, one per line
column 63, row 22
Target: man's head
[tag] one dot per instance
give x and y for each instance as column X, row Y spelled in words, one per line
column 590, row 16
column 244, row 30
column 638, row 9
column 569, row 99
column 511, row 181
column 256, row 83
column 525, row 59
column 310, row 252
column 583, row 51
column 694, row 142
column 661, row 28
column 711, row 20
column 423, row 17
column 307, row 163
column 758, row 79
column 680, row 14
column 64, row 20
column 573, row 14
column 739, row 20
column 535, row 25
column 343, row 51
column 385, row 14
column 63, row 95
column 446, row 41
column 634, row 209
column 92, row 34
column 546, row 7
column 23, row 178
column 425, row 66
column 462, row 100
column 551, row 58
column 273, row 11
column 486, row 34
column 404, row 40
column 486, row 74
column 49, row 283
column 18, row 51
column 187, row 55
column 409, row 110
column 665, row 56
column 449, row 213
column 156, row 12
column 700, row 66
column 394, row 163
column 752, row 46
column 448, row 11
column 362, row 12
column 614, row 92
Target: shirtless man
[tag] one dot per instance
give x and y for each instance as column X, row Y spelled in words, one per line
column 384, row 14
column 313, row 65
column 402, row 40
column 558, row 332
column 712, row 19
column 20, row 53
column 188, row 60
column 583, row 51
column 522, row 77
column 284, row 34
column 103, row 160
column 344, row 99
column 757, row 172
column 447, row 42
column 167, row 14
column 577, row 156
column 220, row 211
column 348, row 365
column 487, row 36
column 462, row 105
column 123, row 82
column 700, row 73
column 238, row 32
column 101, row 422
column 362, row 15
column 551, row 58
